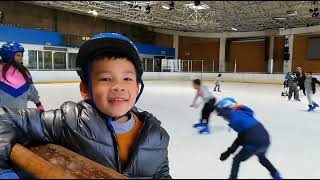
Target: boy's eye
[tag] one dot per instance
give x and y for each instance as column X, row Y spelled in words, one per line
column 105, row 79
column 127, row 79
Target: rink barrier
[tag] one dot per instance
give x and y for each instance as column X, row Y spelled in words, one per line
column 59, row 77
column 56, row 162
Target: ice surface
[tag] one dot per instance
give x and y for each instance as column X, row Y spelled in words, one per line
column 295, row 134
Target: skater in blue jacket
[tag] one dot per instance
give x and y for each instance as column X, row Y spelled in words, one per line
column 252, row 136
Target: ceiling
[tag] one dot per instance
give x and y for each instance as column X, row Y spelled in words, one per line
column 219, row 16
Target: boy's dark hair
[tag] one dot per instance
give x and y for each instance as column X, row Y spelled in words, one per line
column 108, row 55
column 219, row 75
column 197, row 82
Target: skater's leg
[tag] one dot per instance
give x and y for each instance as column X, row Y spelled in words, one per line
column 310, row 98
column 243, row 155
column 206, row 111
column 266, row 163
column 290, row 92
column 296, row 93
column 215, row 87
column 219, row 87
column 208, row 108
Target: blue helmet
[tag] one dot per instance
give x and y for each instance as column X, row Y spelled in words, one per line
column 228, row 103
column 107, row 42
column 9, row 49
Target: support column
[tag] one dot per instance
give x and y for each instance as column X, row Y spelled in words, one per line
column 176, row 45
column 222, row 55
column 271, row 50
column 287, row 65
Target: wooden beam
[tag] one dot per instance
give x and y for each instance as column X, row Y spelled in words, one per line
column 56, row 162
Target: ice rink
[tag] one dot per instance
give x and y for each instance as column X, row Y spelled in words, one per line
column 295, row 133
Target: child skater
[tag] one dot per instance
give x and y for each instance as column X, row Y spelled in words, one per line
column 252, row 136
column 217, row 83
column 285, row 85
column 309, row 89
column 16, row 86
column 293, row 87
column 209, row 100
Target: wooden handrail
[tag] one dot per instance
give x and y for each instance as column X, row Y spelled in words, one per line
column 56, row 162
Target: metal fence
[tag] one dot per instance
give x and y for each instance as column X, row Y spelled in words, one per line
column 178, row 65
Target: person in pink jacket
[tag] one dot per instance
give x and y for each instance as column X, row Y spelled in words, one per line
column 16, row 86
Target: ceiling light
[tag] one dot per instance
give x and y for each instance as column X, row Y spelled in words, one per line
column 292, row 13
column 165, row 7
column 234, row 29
column 280, row 18
column 94, row 12
column 199, row 7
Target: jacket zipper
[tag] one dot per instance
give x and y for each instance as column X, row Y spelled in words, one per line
column 116, row 148
column 138, row 143
column 117, row 153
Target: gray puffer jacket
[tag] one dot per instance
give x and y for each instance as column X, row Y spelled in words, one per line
column 81, row 128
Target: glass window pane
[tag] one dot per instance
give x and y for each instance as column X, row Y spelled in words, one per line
column 32, row 60
column 48, row 60
column 59, row 60
column 40, row 59
column 72, row 60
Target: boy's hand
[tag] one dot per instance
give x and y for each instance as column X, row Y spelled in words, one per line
column 194, row 105
column 224, row 112
column 225, row 156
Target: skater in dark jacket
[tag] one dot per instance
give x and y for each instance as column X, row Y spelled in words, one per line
column 293, row 87
column 300, row 77
column 252, row 136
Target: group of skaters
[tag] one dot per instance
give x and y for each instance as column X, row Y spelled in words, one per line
column 294, row 82
column 252, row 135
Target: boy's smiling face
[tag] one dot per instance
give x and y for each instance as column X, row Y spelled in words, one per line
column 114, row 86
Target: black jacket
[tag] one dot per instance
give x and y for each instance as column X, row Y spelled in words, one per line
column 301, row 79
column 80, row 128
column 313, row 85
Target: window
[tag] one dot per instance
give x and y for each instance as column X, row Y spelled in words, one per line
column 47, row 60
column 59, row 60
column 72, row 60
column 32, row 60
column 40, row 59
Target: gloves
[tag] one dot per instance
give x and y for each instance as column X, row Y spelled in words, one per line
column 224, row 112
column 8, row 174
column 194, row 105
column 225, row 155
column 40, row 107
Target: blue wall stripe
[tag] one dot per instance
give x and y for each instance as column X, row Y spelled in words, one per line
column 40, row 37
